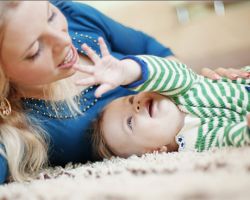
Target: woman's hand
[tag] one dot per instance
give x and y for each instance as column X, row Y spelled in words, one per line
column 223, row 72
column 107, row 71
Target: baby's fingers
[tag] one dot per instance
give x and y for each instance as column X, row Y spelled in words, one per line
column 103, row 88
column 90, row 53
column 84, row 68
column 86, row 81
column 103, row 47
column 231, row 73
column 238, row 73
column 210, row 74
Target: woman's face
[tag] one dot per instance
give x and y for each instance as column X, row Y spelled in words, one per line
column 35, row 44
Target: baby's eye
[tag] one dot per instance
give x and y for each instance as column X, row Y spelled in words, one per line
column 129, row 122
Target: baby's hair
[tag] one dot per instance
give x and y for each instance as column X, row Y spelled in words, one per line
column 100, row 147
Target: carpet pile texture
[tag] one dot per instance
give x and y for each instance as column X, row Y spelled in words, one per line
column 218, row 174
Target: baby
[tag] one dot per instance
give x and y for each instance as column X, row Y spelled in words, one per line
column 175, row 110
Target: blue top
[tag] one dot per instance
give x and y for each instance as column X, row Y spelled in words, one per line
column 69, row 136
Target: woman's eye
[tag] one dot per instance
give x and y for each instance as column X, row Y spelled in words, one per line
column 129, row 122
column 36, row 55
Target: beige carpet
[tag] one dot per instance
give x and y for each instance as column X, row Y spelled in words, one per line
column 220, row 174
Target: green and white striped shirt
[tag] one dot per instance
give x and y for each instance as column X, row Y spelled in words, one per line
column 216, row 109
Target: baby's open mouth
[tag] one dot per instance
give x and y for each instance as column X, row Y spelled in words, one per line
column 149, row 107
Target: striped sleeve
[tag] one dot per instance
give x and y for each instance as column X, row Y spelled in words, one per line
column 222, row 134
column 167, row 77
column 236, row 135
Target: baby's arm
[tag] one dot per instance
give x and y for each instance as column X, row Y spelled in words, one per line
column 222, row 133
column 151, row 73
column 140, row 73
column 167, row 77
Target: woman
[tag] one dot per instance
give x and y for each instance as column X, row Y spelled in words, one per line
column 44, row 116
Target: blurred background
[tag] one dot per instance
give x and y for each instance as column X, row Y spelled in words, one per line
column 201, row 33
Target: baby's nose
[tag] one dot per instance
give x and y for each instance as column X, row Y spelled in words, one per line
column 136, row 104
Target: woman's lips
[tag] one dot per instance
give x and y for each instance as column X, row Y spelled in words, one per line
column 70, row 59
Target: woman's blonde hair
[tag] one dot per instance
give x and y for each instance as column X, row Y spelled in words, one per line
column 24, row 143
column 99, row 145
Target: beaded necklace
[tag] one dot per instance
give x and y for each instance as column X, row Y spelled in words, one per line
column 85, row 101
column 79, row 39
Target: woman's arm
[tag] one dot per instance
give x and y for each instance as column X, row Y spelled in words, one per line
column 3, row 169
column 119, row 38
column 167, row 77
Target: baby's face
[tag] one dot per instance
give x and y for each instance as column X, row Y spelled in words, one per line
column 141, row 123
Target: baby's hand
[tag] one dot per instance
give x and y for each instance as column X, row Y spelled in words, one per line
column 230, row 73
column 107, row 71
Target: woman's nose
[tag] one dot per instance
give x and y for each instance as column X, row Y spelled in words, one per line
column 60, row 39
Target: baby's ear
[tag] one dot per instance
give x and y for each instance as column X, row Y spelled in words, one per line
column 160, row 150
column 163, row 149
